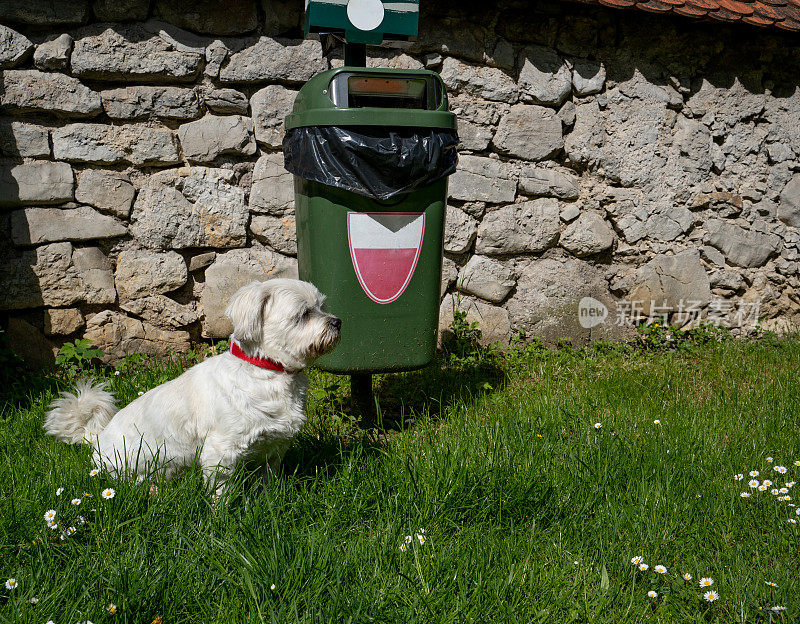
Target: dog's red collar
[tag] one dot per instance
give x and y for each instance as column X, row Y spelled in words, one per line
column 236, row 350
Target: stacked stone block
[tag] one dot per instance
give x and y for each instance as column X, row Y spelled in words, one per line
column 604, row 154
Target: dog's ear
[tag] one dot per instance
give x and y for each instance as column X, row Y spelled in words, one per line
column 246, row 312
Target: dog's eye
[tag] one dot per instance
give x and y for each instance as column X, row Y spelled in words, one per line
column 306, row 315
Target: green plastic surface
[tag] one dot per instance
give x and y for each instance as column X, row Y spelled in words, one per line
column 314, row 107
column 400, row 21
column 375, row 337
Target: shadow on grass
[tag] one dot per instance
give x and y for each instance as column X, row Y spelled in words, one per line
column 310, row 457
column 402, row 398
column 21, row 388
column 432, row 390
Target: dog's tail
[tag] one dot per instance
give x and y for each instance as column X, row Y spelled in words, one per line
column 75, row 418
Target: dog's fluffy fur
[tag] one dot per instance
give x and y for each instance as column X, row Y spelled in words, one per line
column 221, row 411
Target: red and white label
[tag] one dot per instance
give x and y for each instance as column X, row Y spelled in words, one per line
column 385, row 248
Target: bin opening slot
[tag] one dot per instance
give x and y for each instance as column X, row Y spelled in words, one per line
column 386, row 92
column 381, row 91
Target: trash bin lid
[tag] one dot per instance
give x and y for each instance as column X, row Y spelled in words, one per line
column 366, row 96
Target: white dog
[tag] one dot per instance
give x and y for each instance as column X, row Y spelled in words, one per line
column 247, row 404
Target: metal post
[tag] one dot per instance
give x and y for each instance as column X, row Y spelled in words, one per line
column 361, row 396
column 362, row 400
column 355, row 54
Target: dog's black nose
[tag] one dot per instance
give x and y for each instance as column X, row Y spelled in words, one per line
column 336, row 323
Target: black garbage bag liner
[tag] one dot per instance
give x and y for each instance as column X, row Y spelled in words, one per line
column 375, row 161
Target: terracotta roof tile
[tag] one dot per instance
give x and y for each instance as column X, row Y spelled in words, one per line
column 691, row 11
column 724, row 15
column 792, row 11
column 711, row 5
column 789, row 24
column 655, row 6
column 742, row 8
column 620, row 4
column 773, row 13
column 784, row 14
column 758, row 21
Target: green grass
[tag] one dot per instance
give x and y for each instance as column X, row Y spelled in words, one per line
column 530, row 513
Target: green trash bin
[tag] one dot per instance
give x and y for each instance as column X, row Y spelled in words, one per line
column 371, row 150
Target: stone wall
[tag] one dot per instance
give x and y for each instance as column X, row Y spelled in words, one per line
column 647, row 162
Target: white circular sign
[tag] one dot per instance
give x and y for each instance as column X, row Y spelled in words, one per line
column 365, row 14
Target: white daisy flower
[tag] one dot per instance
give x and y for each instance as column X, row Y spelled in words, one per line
column 738, row 477
column 52, row 526
column 644, row 567
column 769, row 459
column 767, row 482
column 637, row 560
column 762, row 488
column 11, row 584
column 70, row 531
column 94, row 472
column 59, row 491
column 754, row 473
column 745, row 494
column 49, row 515
column 116, row 373
column 753, row 483
column 792, row 521
column 777, row 608
column 76, row 501
column 34, row 600
column 784, row 490
column 711, row 596
column 403, row 547
column 660, row 569
column 706, row 581
column 652, row 594
column 790, row 484
column 108, row 493
column 797, row 512
column 781, row 498
column 780, row 469
column 407, row 539
column 421, row 538
column 656, row 422
column 272, row 587
column 771, row 584
column 774, row 491
column 140, row 393
column 687, row 576
column 598, row 425
column 797, row 462
column 112, row 608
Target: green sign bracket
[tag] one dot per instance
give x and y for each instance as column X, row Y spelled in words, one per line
column 363, row 21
